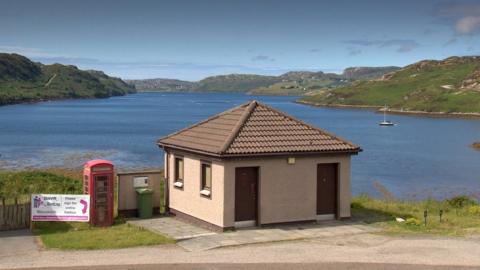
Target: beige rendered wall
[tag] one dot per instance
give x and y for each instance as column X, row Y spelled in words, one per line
column 189, row 200
column 287, row 192
column 127, row 197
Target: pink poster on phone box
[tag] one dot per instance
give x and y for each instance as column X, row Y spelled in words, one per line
column 60, row 207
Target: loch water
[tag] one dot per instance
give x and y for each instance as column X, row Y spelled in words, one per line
column 418, row 158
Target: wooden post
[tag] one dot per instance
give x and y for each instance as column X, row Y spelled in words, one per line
column 3, row 217
column 29, row 215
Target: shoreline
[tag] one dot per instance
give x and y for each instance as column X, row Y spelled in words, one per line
column 30, row 102
column 378, row 109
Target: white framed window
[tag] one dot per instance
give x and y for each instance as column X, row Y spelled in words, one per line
column 206, row 179
column 178, row 171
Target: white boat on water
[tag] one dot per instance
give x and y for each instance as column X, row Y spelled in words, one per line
column 386, row 122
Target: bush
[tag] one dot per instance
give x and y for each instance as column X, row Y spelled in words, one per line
column 22, row 184
column 413, row 221
column 474, row 210
column 461, row 201
column 356, row 205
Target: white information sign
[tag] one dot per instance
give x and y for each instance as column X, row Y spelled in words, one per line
column 60, row 207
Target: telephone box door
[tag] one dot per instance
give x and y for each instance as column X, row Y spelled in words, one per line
column 102, row 198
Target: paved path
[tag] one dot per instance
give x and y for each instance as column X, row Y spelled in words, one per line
column 16, row 243
column 193, row 238
column 275, row 234
column 171, row 227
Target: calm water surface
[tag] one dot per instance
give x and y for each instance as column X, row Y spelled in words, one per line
column 419, row 157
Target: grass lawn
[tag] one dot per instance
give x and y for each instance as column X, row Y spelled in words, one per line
column 76, row 235
column 72, row 235
column 461, row 215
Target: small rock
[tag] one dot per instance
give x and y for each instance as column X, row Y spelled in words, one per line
column 399, row 219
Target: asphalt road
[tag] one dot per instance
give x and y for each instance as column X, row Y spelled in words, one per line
column 266, row 266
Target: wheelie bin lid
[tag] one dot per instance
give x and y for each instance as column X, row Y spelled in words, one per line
column 144, row 190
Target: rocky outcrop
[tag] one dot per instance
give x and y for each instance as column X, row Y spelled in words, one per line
column 472, row 82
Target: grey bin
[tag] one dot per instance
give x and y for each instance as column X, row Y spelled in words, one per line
column 144, row 202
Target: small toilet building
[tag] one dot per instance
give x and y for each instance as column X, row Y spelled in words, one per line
column 254, row 165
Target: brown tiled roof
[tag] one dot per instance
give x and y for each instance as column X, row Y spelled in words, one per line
column 255, row 129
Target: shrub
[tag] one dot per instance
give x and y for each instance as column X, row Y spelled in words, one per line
column 461, row 201
column 474, row 210
column 22, row 184
column 356, row 205
column 413, row 221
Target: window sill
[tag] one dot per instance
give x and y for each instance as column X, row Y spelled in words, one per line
column 205, row 193
column 178, row 184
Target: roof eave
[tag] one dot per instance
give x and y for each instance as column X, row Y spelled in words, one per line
column 351, row 152
column 196, row 151
column 223, row 155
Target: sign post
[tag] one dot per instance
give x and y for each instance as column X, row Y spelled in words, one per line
column 60, row 207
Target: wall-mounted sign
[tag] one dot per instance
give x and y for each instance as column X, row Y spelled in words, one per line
column 60, row 207
column 140, row 181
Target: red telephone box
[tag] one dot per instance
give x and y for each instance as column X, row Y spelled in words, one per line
column 98, row 182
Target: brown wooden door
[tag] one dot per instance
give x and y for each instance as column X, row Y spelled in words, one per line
column 246, row 193
column 326, row 189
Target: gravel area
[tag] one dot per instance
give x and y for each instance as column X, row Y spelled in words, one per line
column 365, row 248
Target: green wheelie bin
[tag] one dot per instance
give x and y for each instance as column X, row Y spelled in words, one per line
column 144, row 202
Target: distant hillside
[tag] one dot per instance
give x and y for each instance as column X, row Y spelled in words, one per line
column 234, row 83
column 162, row 84
column 290, row 83
column 22, row 80
column 367, row 73
column 449, row 85
column 301, row 82
column 306, row 82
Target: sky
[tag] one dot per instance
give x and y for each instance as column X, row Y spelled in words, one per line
column 190, row 40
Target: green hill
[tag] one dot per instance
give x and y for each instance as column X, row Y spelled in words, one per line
column 234, row 83
column 298, row 83
column 367, row 73
column 161, row 84
column 449, row 85
column 22, row 80
column 306, row 82
column 290, row 83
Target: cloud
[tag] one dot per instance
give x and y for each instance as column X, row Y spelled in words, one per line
column 451, row 41
column 362, row 42
column 401, row 45
column 264, row 58
column 352, row 51
column 428, row 31
column 463, row 17
column 468, row 25
column 315, row 50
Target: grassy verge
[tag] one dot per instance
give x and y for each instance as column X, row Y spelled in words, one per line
column 19, row 185
column 77, row 236
column 460, row 215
